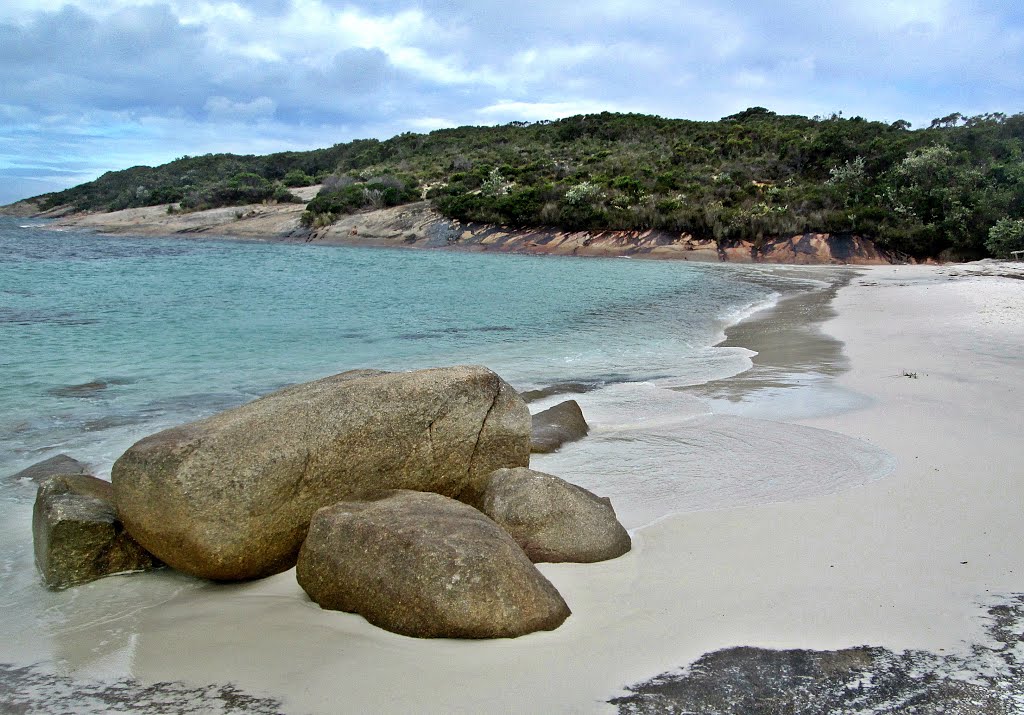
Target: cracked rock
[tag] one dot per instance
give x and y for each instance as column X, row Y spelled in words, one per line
column 77, row 535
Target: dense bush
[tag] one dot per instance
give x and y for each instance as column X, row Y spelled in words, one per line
column 297, row 177
column 242, row 188
column 345, row 195
column 755, row 174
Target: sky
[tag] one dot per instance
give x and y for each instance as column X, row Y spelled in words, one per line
column 88, row 86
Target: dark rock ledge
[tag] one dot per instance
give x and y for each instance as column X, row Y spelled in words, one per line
column 853, row 681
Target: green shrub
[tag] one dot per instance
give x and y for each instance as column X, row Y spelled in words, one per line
column 1006, row 236
column 297, row 177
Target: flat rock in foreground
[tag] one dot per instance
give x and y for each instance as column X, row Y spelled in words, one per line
column 426, row 566
column 553, row 520
column 557, row 425
column 77, row 535
column 230, row 497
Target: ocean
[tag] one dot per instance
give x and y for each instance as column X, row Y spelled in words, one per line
column 104, row 340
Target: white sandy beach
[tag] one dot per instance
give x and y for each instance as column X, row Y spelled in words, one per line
column 908, row 561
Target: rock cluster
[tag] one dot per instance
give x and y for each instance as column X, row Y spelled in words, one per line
column 230, row 497
column 403, row 497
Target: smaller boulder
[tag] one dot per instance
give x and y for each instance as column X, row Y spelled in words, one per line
column 424, row 565
column 557, row 425
column 78, row 537
column 61, row 464
column 553, row 520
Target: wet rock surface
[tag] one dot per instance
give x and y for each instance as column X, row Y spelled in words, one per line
column 60, row 464
column 557, row 425
column 854, row 681
column 77, row 535
column 88, row 389
column 32, row 689
column 570, row 387
column 553, row 520
column 427, row 566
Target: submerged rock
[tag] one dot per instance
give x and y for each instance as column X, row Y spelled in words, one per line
column 577, row 387
column 85, row 389
column 553, row 520
column 77, row 535
column 557, row 425
column 426, row 566
column 61, row 464
column 230, row 497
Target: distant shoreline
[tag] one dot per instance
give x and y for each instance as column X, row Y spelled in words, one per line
column 418, row 225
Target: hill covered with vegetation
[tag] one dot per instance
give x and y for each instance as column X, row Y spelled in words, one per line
column 954, row 189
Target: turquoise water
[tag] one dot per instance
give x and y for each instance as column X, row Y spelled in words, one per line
column 167, row 330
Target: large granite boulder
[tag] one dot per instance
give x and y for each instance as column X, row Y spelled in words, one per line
column 230, row 497
column 426, row 566
column 60, row 464
column 557, row 425
column 553, row 520
column 77, row 535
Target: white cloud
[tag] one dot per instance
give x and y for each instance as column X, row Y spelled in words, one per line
column 427, row 124
column 224, row 108
column 507, row 110
column 115, row 79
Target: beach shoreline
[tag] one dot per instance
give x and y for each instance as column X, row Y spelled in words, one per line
column 916, row 561
column 911, row 560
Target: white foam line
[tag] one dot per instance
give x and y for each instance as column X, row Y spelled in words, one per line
column 745, row 312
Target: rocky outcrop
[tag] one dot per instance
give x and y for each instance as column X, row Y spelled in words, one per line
column 553, row 520
column 60, row 464
column 415, row 224
column 810, row 249
column 419, row 225
column 557, row 425
column 77, row 535
column 807, row 248
column 230, row 497
column 21, row 209
column 426, row 566
column 254, row 221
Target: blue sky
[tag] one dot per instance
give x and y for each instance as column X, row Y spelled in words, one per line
column 92, row 85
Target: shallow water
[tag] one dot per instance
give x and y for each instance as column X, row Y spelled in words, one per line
column 106, row 340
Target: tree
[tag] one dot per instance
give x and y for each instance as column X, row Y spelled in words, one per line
column 849, row 180
column 935, row 198
column 1006, row 236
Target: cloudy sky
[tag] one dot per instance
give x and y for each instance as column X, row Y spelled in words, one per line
column 92, row 85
